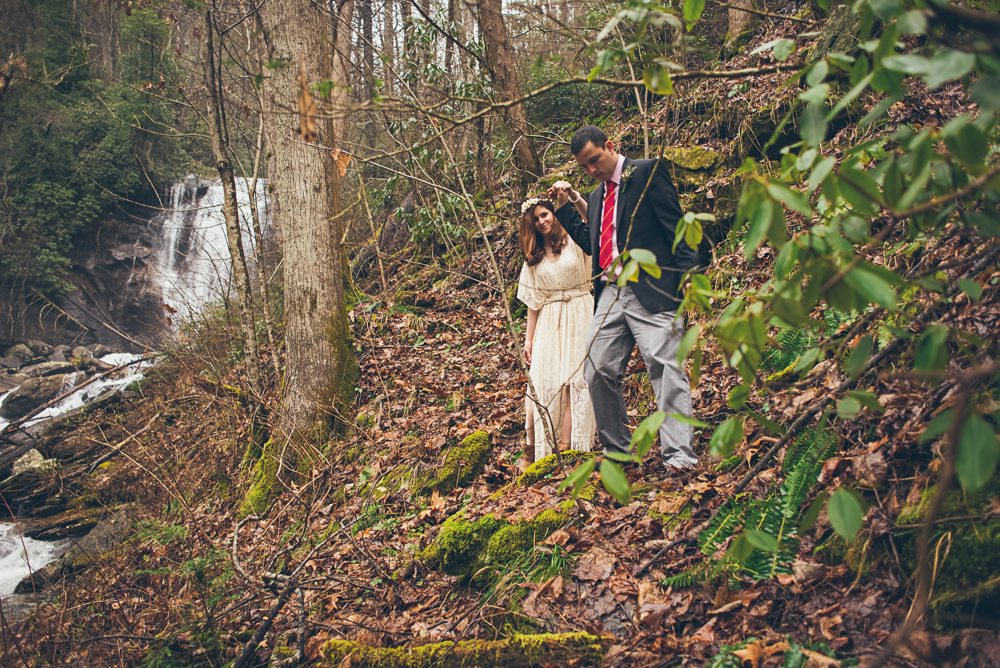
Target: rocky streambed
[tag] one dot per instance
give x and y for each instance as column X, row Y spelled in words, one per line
column 47, row 528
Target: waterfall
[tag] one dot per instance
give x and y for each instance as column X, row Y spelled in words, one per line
column 17, row 554
column 191, row 263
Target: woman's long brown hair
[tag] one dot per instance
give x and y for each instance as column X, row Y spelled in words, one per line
column 532, row 242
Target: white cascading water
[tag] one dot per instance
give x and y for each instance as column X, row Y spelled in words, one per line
column 20, row 556
column 191, row 264
column 191, row 268
column 16, row 555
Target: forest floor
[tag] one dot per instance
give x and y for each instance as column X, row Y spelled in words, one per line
column 358, row 529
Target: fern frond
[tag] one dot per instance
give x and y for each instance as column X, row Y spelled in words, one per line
column 723, row 525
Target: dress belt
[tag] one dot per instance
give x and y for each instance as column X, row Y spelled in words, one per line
column 566, row 296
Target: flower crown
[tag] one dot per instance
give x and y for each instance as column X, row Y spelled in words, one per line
column 531, row 202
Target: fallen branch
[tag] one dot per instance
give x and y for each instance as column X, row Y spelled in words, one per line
column 518, row 650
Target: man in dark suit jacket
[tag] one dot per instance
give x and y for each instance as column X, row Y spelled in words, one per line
column 635, row 206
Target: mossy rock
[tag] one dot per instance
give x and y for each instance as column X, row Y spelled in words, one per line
column 462, row 464
column 515, row 539
column 969, row 577
column 547, row 465
column 691, row 167
column 692, row 158
column 475, row 550
column 460, row 543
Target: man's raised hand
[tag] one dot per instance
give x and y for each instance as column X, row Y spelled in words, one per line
column 559, row 192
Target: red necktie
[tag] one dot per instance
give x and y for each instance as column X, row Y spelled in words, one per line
column 607, row 226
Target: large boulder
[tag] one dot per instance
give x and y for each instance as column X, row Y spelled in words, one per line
column 47, row 369
column 35, row 392
column 39, row 348
column 9, row 381
column 691, row 167
column 20, row 352
column 31, row 474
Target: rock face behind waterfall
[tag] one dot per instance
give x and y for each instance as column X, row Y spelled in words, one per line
column 144, row 274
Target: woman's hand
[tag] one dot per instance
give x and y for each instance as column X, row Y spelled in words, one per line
column 561, row 192
column 527, row 351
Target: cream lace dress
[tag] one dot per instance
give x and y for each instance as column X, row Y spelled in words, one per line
column 560, row 291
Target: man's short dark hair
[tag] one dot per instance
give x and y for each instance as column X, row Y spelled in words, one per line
column 588, row 133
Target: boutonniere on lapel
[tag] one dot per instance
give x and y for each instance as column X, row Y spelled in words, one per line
column 627, row 174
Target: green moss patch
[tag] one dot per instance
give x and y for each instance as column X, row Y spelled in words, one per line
column 475, row 550
column 462, row 464
column 968, row 578
column 547, row 465
column 581, row 649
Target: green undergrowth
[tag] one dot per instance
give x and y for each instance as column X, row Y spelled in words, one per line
column 777, row 515
column 967, row 552
column 479, row 551
column 795, row 341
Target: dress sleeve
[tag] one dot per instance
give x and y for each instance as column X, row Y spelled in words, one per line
column 526, row 290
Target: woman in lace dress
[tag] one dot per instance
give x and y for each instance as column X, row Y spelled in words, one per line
column 555, row 286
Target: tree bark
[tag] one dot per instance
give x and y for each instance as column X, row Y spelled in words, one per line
column 320, row 368
column 739, row 20
column 503, row 72
column 367, row 44
column 220, row 152
column 449, row 46
column 388, row 45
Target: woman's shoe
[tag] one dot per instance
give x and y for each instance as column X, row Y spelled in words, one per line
column 527, row 458
column 563, row 446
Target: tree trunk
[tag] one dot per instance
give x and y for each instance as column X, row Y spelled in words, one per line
column 367, row 44
column 388, row 45
column 449, row 45
column 500, row 61
column 320, row 368
column 739, row 20
column 220, row 152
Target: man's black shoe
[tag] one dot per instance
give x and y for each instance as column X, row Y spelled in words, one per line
column 673, row 473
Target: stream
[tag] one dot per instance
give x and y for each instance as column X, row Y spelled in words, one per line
column 16, row 552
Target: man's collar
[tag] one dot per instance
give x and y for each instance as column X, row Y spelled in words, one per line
column 616, row 176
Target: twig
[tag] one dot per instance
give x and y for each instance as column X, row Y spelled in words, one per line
column 944, row 199
column 116, row 448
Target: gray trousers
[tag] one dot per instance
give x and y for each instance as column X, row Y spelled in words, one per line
column 619, row 324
